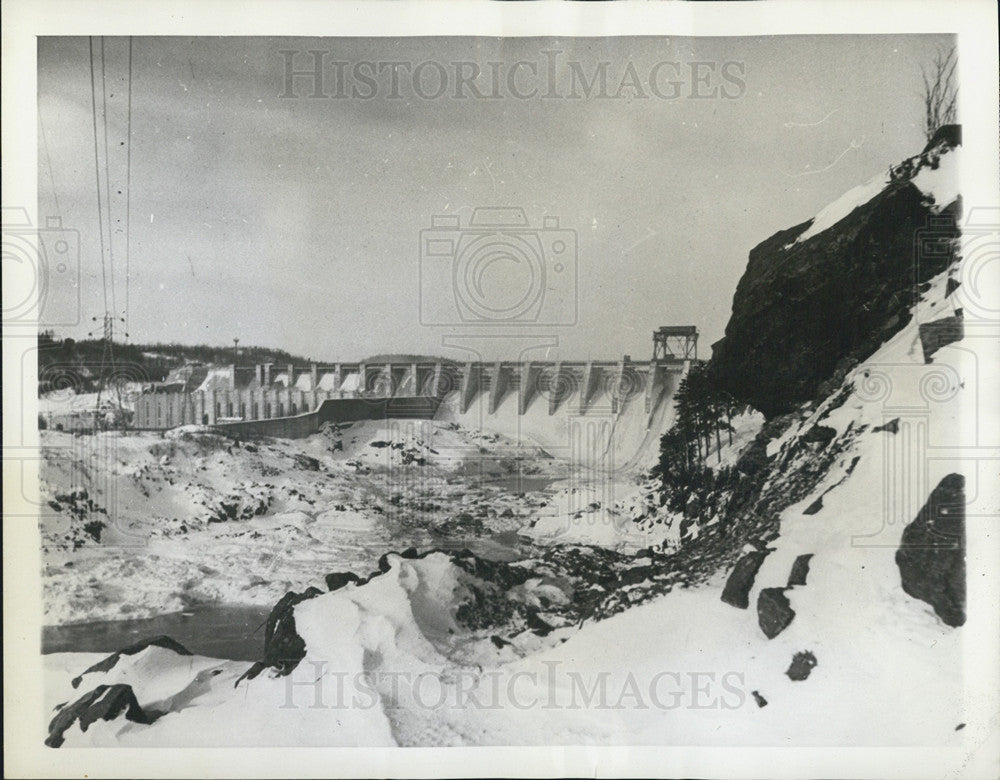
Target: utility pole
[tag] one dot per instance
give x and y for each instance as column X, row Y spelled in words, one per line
column 236, row 351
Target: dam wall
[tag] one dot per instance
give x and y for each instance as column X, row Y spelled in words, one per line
column 605, row 416
column 606, row 427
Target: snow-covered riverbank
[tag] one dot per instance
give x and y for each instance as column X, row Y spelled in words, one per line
column 142, row 524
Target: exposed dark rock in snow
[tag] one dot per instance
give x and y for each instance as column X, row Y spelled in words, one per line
column 536, row 624
column 890, row 427
column 800, row 570
column 761, row 701
column 814, row 507
column 819, row 434
column 306, row 462
column 754, row 459
column 741, row 579
column 774, row 613
column 338, row 579
column 85, row 527
column 931, row 555
column 105, row 702
column 950, row 135
column 940, row 333
column 803, row 308
column 283, row 647
column 111, row 661
column 801, row 666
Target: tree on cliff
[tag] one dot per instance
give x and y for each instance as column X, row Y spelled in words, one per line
column 940, row 93
column 701, row 407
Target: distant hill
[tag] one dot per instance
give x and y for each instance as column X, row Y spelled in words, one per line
column 66, row 362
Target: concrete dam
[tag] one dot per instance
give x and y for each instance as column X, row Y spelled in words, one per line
column 599, row 414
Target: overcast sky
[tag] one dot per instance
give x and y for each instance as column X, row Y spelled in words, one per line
column 296, row 222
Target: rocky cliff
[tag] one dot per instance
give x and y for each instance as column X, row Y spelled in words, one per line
column 821, row 296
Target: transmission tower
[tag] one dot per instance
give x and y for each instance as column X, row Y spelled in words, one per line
column 107, row 368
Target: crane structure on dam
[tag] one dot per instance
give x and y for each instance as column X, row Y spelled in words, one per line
column 675, row 342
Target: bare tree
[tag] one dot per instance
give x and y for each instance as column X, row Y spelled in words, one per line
column 940, row 93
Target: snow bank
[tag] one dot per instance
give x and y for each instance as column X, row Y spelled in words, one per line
column 842, row 206
column 940, row 181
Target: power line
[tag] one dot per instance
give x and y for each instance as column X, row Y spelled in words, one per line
column 97, row 171
column 128, row 187
column 48, row 161
column 107, row 181
column 107, row 351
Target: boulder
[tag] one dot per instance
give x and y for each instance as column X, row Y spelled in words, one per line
column 800, row 570
column 890, row 427
column 931, row 554
column 338, row 579
column 105, row 702
column 741, row 579
column 940, row 333
column 819, row 434
column 774, row 613
column 801, row 666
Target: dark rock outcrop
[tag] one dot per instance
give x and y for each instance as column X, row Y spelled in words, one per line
column 536, row 624
column 819, row 434
column 105, row 702
column 890, row 427
column 931, row 554
column 774, row 613
column 950, row 135
column 338, row 579
column 761, row 701
column 741, row 579
column 283, row 647
column 940, row 333
column 803, row 309
column 800, row 570
column 754, row 458
column 306, row 462
column 801, row 666
column 107, row 664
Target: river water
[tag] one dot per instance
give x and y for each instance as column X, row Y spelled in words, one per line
column 236, row 632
